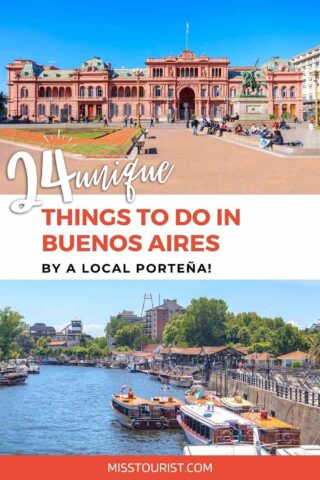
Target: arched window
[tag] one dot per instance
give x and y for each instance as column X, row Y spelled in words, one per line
column 134, row 92
column 157, row 91
column 187, row 72
column 114, row 92
column 41, row 109
column 178, row 72
column 141, row 92
column 121, row 92
column 48, row 92
column 216, row 91
column 292, row 92
column 68, row 92
column 191, row 72
column 42, row 92
column 55, row 92
column 284, row 92
column 54, row 110
column 127, row 92
column 196, row 72
column 24, row 110
column 99, row 92
column 82, row 91
column 127, row 109
column 141, row 109
column 68, row 109
column 182, row 72
column 24, row 92
column 90, row 91
column 275, row 92
column 61, row 92
column 157, row 111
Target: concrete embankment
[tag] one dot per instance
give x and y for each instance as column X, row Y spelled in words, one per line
column 307, row 418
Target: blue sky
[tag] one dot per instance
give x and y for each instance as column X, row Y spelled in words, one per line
column 125, row 33
column 57, row 302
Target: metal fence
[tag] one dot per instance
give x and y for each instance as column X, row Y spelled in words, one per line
column 280, row 389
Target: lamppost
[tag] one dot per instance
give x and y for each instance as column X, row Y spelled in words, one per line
column 138, row 73
column 315, row 75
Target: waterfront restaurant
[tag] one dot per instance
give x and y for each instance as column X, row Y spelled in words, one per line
column 171, row 88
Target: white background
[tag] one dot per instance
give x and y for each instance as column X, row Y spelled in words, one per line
column 279, row 238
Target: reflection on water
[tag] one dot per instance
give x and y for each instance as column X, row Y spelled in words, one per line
column 66, row 410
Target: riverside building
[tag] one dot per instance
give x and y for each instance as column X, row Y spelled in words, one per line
column 171, row 88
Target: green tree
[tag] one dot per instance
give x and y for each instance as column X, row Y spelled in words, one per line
column 314, row 352
column 114, row 325
column 260, row 347
column 174, row 332
column 3, row 104
column 11, row 326
column 130, row 336
column 25, row 343
column 288, row 339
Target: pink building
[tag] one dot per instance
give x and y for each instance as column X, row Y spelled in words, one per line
column 170, row 88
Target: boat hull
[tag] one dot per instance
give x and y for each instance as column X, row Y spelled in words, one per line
column 140, row 423
column 192, row 439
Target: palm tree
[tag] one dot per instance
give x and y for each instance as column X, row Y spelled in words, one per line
column 3, row 104
column 314, row 351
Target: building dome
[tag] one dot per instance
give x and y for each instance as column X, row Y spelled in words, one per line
column 279, row 64
column 93, row 64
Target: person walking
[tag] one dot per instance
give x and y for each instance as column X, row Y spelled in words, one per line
column 105, row 121
column 151, row 122
column 195, row 124
column 125, row 121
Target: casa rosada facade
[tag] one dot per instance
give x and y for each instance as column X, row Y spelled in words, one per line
column 169, row 89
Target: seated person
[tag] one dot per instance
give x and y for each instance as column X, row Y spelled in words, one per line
column 276, row 124
column 238, row 130
column 283, row 124
column 277, row 138
column 254, row 130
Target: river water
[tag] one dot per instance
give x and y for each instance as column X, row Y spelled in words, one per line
column 66, row 411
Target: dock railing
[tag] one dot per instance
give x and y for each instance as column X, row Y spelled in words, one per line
column 307, row 397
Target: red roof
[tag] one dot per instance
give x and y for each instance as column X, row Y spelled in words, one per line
column 297, row 355
column 56, row 344
column 259, row 356
column 186, row 351
column 151, row 348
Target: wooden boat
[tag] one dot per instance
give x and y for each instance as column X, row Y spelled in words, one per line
column 12, row 378
column 211, row 425
column 183, row 381
column 169, row 408
column 236, row 404
column 137, row 413
column 273, row 431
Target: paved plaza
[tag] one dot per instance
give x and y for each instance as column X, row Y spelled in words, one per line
column 203, row 165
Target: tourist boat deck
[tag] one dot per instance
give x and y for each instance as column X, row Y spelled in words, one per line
column 208, row 424
column 176, row 379
column 236, row 404
column 303, row 450
column 197, row 395
column 273, row 431
column 138, row 413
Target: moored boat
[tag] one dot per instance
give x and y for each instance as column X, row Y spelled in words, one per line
column 137, row 413
column 183, row 381
column 12, row 378
column 208, row 424
column 273, row 431
column 154, row 375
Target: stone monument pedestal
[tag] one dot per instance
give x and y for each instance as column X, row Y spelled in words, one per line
column 251, row 107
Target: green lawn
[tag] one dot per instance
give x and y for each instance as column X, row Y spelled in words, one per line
column 100, row 149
